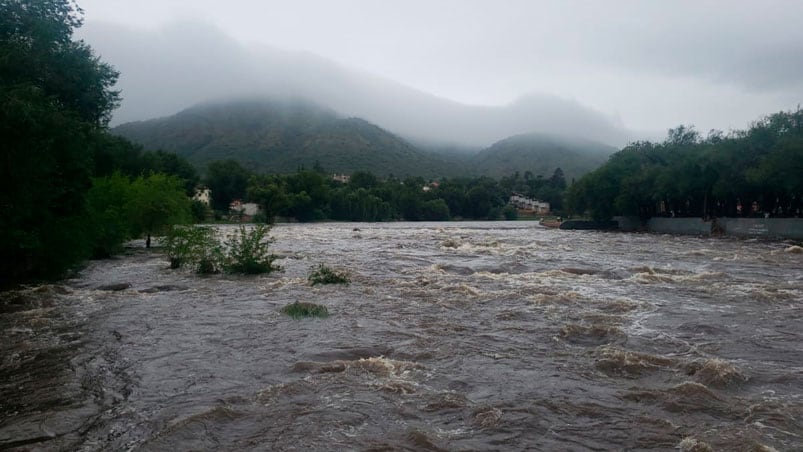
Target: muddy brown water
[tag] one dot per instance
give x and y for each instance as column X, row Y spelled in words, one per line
column 451, row 336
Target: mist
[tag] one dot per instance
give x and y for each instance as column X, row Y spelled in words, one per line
column 186, row 63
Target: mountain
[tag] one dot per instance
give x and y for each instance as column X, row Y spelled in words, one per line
column 279, row 136
column 541, row 154
column 167, row 69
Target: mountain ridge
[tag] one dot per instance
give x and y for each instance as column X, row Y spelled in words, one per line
column 282, row 135
column 179, row 74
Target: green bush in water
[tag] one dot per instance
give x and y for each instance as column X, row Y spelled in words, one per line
column 325, row 275
column 300, row 310
column 193, row 245
column 247, row 251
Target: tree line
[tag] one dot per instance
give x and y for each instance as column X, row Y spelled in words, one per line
column 69, row 190
column 755, row 172
column 312, row 195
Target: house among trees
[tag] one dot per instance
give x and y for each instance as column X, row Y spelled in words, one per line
column 342, row 178
column 243, row 211
column 523, row 203
column 203, row 195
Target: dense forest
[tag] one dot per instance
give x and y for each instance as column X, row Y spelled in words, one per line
column 309, row 195
column 68, row 189
column 757, row 172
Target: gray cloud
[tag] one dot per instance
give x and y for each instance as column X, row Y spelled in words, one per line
column 655, row 64
column 186, row 63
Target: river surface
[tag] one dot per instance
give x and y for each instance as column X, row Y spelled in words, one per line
column 451, row 336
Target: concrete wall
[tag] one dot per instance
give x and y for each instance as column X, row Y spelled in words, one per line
column 791, row 228
column 629, row 224
column 682, row 226
column 581, row 225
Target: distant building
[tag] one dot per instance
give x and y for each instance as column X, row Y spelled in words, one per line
column 523, row 203
column 430, row 186
column 244, row 211
column 204, row 195
column 341, row 178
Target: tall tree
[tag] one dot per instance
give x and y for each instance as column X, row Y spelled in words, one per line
column 55, row 98
column 228, row 181
column 156, row 202
column 37, row 49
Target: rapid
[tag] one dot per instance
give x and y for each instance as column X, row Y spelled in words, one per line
column 451, row 336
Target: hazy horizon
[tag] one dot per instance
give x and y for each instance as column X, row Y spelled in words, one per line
column 469, row 72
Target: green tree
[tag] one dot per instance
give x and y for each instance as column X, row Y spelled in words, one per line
column 157, row 201
column 171, row 164
column 435, row 210
column 510, row 212
column 228, row 181
column 55, row 96
column 37, row 50
column 269, row 193
column 363, row 179
column 107, row 202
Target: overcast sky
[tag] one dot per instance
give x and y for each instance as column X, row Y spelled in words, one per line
column 650, row 64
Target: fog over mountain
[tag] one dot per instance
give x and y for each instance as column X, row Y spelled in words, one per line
column 186, row 63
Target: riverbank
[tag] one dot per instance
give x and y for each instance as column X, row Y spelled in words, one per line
column 771, row 228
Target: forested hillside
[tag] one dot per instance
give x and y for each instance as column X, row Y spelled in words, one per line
column 541, row 154
column 272, row 136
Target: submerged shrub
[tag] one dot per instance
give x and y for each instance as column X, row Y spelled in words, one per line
column 193, row 245
column 326, row 275
column 300, row 310
column 247, row 251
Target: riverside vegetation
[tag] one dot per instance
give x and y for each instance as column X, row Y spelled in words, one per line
column 300, row 309
column 327, row 275
column 71, row 190
column 245, row 251
column 756, row 172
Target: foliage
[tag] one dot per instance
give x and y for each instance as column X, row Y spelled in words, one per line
column 326, row 275
column 116, row 154
column 199, row 211
column 37, row 51
column 55, row 97
column 45, row 174
column 228, row 181
column 308, row 196
column 247, row 251
column 300, row 310
column 510, row 212
column 193, row 245
column 107, row 203
column 745, row 173
column 435, row 210
column 269, row 193
column 157, row 201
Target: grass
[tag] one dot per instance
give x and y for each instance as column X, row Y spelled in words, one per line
column 299, row 310
column 326, row 275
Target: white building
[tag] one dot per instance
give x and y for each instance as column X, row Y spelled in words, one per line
column 204, row 195
column 524, row 203
column 246, row 210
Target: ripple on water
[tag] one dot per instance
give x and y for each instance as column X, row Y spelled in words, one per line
column 451, row 336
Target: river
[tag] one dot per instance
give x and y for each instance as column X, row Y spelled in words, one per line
column 451, row 336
